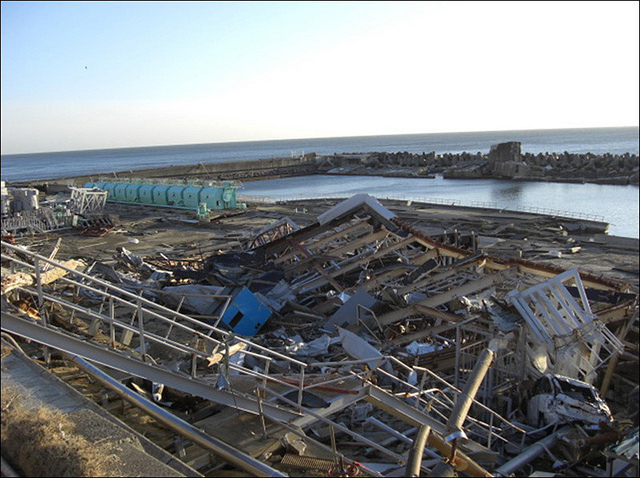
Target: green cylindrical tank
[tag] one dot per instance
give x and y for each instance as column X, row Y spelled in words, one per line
column 111, row 190
column 120, row 192
column 229, row 197
column 160, row 197
column 191, row 197
column 212, row 197
column 132, row 193
column 174, row 196
column 145, row 193
column 179, row 194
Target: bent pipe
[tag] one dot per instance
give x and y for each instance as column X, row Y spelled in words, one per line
column 221, row 449
column 529, row 454
column 414, row 461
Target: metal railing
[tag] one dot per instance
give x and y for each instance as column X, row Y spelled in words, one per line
column 269, row 199
column 132, row 316
column 150, row 324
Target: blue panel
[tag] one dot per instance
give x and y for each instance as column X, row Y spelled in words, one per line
column 246, row 315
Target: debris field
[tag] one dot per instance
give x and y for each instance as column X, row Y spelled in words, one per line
column 345, row 337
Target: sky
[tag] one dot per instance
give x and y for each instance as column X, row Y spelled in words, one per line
column 93, row 75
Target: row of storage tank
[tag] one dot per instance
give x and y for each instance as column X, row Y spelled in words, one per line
column 222, row 196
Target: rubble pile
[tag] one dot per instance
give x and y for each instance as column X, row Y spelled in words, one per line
column 359, row 345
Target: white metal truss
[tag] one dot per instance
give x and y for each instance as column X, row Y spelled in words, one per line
column 88, row 200
column 572, row 333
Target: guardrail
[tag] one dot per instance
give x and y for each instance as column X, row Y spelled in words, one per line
column 270, row 199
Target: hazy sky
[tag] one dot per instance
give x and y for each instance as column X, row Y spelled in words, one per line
column 86, row 75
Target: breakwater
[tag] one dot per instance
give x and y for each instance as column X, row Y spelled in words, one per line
column 504, row 161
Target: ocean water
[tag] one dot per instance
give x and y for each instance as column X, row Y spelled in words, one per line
column 617, row 205
column 24, row 167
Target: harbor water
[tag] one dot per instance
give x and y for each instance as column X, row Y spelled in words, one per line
column 617, row 205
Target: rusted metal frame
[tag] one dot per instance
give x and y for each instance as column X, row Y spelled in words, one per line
column 427, row 281
column 526, row 267
column 469, row 288
column 281, row 228
column 616, row 312
column 425, row 256
column 426, row 332
column 346, row 266
column 361, row 241
column 368, row 258
column 381, row 279
column 442, row 249
column 302, row 235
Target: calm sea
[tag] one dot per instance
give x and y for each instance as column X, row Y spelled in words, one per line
column 23, row 167
column 616, row 204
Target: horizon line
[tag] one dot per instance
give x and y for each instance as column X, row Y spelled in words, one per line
column 314, row 138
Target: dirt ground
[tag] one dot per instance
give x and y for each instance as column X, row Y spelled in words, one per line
column 178, row 234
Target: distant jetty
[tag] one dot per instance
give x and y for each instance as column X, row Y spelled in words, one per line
column 504, row 161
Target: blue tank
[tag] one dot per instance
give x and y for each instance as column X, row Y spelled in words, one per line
column 145, row 193
column 132, row 193
column 191, row 197
column 160, row 195
column 212, row 197
column 120, row 192
column 178, row 194
column 174, row 196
